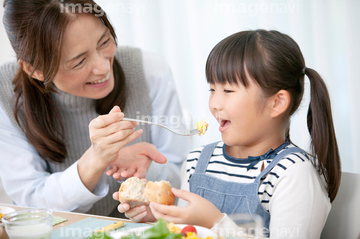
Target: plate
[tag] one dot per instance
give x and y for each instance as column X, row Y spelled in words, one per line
column 6, row 210
column 202, row 232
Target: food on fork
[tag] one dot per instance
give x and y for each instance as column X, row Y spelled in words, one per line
column 135, row 192
column 202, row 127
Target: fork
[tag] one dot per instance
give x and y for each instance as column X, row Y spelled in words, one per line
column 183, row 132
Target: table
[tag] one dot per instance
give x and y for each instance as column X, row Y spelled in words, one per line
column 70, row 216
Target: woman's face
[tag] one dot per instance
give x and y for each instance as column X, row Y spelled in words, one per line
column 86, row 65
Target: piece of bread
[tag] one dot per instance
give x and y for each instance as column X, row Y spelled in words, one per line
column 136, row 192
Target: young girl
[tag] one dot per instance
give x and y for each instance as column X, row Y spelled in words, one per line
column 256, row 83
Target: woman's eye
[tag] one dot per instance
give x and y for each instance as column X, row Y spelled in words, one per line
column 211, row 90
column 80, row 63
column 105, row 42
column 228, row 91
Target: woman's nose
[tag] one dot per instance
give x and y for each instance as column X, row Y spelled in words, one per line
column 101, row 65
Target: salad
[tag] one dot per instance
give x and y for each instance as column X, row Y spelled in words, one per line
column 161, row 230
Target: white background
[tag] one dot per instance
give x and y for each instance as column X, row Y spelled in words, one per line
column 185, row 31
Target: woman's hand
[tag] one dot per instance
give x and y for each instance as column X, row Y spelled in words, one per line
column 199, row 211
column 108, row 134
column 134, row 161
column 137, row 214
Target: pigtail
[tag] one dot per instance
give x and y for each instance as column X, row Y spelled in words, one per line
column 322, row 132
column 41, row 122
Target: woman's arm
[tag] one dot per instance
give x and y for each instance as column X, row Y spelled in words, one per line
column 27, row 182
column 108, row 135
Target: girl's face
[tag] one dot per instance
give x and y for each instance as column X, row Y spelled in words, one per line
column 242, row 113
column 86, row 66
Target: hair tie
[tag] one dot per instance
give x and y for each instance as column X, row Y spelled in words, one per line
column 304, row 69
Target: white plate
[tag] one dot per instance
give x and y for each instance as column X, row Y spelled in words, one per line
column 201, row 231
column 6, row 210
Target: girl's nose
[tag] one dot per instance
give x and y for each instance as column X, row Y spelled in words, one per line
column 214, row 104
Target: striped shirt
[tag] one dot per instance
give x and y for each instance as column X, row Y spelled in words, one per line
column 225, row 167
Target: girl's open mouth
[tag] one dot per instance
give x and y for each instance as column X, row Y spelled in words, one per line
column 224, row 124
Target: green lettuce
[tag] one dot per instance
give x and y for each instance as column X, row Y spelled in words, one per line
column 158, row 231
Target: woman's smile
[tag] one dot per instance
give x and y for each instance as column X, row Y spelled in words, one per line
column 101, row 82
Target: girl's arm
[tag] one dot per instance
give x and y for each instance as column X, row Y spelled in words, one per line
column 199, row 211
column 300, row 204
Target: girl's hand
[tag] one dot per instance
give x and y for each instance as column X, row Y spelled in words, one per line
column 134, row 161
column 108, row 134
column 199, row 211
column 137, row 214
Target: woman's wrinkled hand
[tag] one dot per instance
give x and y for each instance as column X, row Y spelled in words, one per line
column 136, row 214
column 108, row 134
column 134, row 161
column 199, row 211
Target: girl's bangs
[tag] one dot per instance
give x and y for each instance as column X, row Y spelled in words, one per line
column 231, row 60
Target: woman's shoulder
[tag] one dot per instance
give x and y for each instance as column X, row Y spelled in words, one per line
column 8, row 71
column 156, row 69
column 152, row 63
column 154, row 59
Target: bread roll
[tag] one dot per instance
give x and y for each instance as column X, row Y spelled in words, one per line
column 136, row 192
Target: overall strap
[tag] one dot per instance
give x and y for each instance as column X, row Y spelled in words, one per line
column 204, row 157
column 276, row 161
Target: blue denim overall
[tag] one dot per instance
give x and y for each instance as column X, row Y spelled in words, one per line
column 232, row 197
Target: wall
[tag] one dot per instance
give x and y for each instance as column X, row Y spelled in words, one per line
column 184, row 32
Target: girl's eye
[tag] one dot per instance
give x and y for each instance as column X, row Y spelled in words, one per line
column 228, row 91
column 79, row 64
column 211, row 90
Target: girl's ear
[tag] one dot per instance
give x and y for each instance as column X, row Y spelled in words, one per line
column 279, row 103
column 30, row 70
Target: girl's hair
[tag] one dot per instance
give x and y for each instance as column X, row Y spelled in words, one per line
column 274, row 61
column 36, row 29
